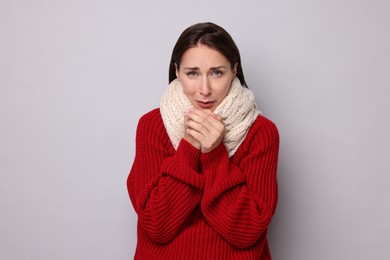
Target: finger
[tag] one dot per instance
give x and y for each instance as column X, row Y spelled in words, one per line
column 201, row 116
column 218, row 117
column 200, row 112
column 196, row 135
column 211, row 122
column 207, row 131
column 205, row 113
column 197, row 115
column 198, row 127
column 195, row 121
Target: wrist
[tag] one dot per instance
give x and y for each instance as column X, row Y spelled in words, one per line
column 195, row 143
column 188, row 154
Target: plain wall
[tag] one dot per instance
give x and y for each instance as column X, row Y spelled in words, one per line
column 75, row 76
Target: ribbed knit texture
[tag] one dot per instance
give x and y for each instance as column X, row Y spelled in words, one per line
column 238, row 111
column 194, row 205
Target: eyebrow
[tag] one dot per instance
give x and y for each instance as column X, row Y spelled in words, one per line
column 212, row 68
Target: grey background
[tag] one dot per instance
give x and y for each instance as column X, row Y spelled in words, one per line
column 75, row 76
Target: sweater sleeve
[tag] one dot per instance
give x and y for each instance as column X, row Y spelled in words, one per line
column 241, row 194
column 164, row 190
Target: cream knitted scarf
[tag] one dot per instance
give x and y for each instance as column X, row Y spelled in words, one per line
column 238, row 110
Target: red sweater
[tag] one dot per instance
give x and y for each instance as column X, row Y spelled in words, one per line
column 194, row 205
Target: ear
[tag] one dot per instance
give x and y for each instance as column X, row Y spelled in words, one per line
column 235, row 67
column 177, row 71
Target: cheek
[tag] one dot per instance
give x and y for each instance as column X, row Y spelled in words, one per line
column 188, row 89
column 188, row 94
column 224, row 90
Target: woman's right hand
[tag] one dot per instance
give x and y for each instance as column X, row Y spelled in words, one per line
column 189, row 138
column 204, row 129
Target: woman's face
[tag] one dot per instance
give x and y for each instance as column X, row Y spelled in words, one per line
column 206, row 76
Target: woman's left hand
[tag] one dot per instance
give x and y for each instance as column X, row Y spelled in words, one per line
column 206, row 127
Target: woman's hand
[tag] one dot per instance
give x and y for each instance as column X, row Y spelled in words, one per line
column 189, row 138
column 204, row 128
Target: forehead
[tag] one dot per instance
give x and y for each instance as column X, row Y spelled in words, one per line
column 202, row 55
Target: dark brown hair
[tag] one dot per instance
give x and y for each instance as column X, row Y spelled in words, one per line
column 211, row 35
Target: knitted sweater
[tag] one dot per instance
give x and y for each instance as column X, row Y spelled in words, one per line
column 194, row 205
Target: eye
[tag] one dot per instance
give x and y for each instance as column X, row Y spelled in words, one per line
column 192, row 73
column 217, row 73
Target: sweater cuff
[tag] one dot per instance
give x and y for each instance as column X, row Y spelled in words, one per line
column 184, row 165
column 188, row 154
column 211, row 161
column 220, row 175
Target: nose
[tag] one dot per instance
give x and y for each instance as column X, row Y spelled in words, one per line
column 205, row 89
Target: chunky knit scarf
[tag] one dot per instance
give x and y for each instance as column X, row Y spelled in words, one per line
column 238, row 111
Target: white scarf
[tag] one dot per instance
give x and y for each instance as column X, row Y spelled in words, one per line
column 238, row 111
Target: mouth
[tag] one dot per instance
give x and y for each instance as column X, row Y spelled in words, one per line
column 205, row 105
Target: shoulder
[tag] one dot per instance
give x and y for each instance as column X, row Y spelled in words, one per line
column 151, row 115
column 151, row 121
column 264, row 124
column 263, row 133
column 151, row 130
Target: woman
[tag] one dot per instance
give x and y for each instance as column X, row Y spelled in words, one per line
column 203, row 182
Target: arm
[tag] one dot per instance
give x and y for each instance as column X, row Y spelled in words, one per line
column 241, row 194
column 164, row 190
